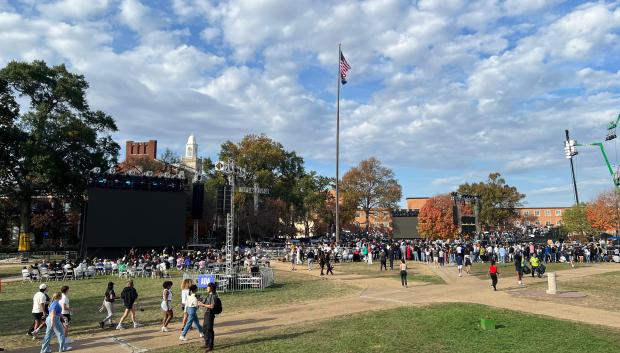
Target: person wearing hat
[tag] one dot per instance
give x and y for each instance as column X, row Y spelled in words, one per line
column 39, row 309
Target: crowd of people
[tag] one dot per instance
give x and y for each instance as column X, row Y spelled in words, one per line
column 528, row 258
column 52, row 314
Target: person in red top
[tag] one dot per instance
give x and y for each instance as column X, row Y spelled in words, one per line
column 493, row 273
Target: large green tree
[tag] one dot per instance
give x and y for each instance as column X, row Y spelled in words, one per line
column 371, row 186
column 269, row 165
column 575, row 222
column 498, row 200
column 50, row 146
column 312, row 194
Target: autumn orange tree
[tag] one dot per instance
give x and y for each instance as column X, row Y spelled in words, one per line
column 603, row 213
column 435, row 219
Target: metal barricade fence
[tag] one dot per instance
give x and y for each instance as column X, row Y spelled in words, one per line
column 38, row 255
column 239, row 280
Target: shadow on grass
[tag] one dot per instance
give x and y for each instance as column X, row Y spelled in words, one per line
column 266, row 339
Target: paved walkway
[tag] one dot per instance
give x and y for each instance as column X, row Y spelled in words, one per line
column 377, row 294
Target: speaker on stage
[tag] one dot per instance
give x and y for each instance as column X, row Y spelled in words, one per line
column 224, row 197
column 198, row 195
column 455, row 215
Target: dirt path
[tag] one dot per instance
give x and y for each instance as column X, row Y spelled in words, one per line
column 377, row 294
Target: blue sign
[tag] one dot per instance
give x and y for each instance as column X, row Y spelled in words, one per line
column 204, row 280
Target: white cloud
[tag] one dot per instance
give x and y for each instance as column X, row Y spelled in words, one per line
column 72, row 9
column 445, row 86
column 137, row 16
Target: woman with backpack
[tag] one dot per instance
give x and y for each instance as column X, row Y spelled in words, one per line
column 213, row 307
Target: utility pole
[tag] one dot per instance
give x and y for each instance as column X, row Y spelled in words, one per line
column 571, row 151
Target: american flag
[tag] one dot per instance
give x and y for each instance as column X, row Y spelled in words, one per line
column 344, row 68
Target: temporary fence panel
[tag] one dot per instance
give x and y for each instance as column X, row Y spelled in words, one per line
column 239, row 280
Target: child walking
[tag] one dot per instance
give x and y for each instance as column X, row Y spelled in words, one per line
column 493, row 273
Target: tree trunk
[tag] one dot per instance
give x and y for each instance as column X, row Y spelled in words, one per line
column 367, row 213
column 24, row 214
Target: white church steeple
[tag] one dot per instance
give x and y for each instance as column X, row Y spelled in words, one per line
column 191, row 147
column 191, row 159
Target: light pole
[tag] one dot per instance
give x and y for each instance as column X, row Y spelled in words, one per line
column 231, row 170
column 570, row 151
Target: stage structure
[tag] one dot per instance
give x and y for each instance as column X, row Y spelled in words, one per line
column 232, row 171
column 466, row 224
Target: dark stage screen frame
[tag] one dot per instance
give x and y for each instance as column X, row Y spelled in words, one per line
column 405, row 227
column 119, row 218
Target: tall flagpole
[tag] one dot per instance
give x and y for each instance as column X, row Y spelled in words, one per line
column 338, row 152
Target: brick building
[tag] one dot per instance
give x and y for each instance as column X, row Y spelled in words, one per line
column 379, row 219
column 540, row 216
column 146, row 150
column 416, row 203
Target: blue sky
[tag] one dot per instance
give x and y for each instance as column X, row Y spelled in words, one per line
column 443, row 92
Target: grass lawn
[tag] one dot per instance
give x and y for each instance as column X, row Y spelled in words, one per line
column 416, row 271
column 12, row 270
column 601, row 290
column 438, row 328
column 87, row 295
column 481, row 270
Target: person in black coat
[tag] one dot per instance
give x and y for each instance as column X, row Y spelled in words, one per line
column 129, row 296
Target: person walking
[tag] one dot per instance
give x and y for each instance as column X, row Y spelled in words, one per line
column 129, row 296
column 293, row 257
column 66, row 311
column 403, row 273
column 391, row 256
column 54, row 326
column 108, row 305
column 40, row 301
column 185, row 285
column 519, row 262
column 468, row 264
column 322, row 261
column 310, row 259
column 166, row 305
column 191, row 308
column 209, row 304
column 459, row 264
column 383, row 260
column 535, row 262
column 328, row 264
column 493, row 273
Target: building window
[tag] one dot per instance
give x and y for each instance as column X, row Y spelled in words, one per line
column 527, row 213
column 537, row 223
column 548, row 223
column 559, row 223
column 558, row 213
column 548, row 213
column 537, row 213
